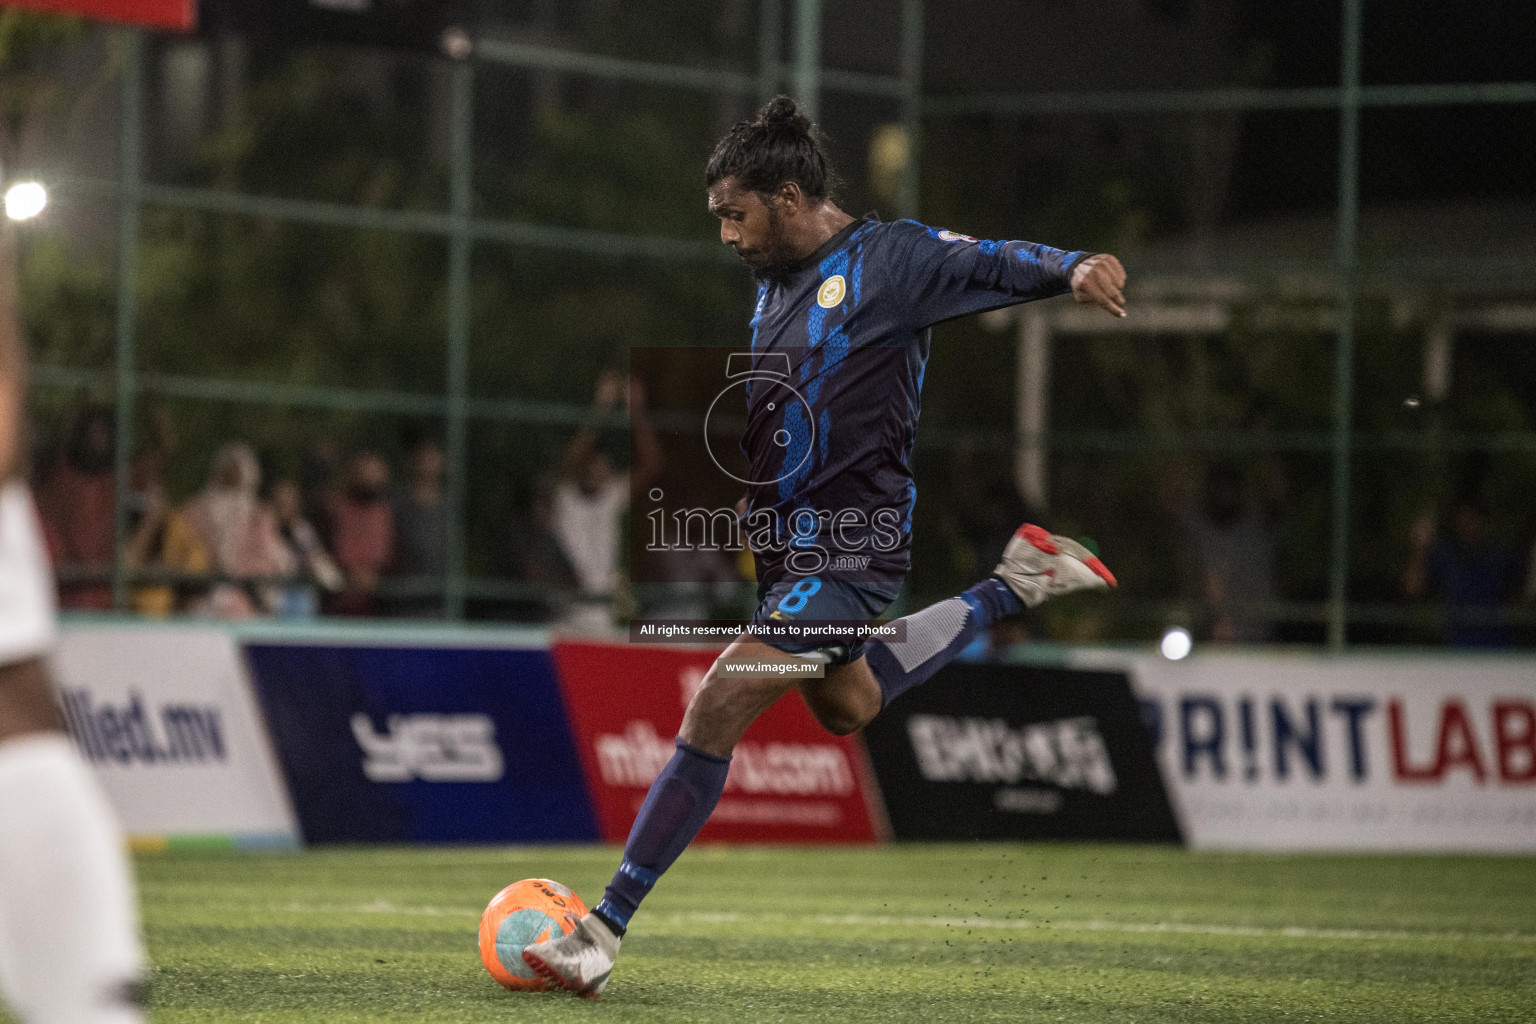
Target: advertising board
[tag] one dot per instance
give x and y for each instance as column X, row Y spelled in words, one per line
column 1310, row 752
column 165, row 717
column 388, row 743
column 790, row 781
column 172, row 14
column 986, row 751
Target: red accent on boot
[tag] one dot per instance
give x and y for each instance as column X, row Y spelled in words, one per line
column 1038, row 537
column 1102, row 571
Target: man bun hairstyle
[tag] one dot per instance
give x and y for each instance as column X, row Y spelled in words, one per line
column 780, row 144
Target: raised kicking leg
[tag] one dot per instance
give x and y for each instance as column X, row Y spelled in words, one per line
column 1035, row 566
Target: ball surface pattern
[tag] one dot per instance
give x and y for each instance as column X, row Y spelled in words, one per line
column 525, row 912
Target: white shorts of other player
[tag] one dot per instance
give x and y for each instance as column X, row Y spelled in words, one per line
column 27, row 626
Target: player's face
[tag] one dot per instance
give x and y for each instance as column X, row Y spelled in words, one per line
column 752, row 226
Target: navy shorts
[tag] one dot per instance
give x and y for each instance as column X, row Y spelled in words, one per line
column 813, row 599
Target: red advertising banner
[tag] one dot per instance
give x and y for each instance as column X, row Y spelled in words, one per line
column 172, row 14
column 790, row 781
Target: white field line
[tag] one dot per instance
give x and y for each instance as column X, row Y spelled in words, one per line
column 1004, row 924
column 1129, row 927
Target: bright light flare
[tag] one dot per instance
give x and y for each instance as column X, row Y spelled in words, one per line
column 1176, row 644
column 25, row 200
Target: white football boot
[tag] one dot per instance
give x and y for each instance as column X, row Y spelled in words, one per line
column 1037, row 565
column 579, row 962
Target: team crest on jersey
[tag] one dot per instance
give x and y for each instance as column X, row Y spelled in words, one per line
column 832, row 291
column 955, row 236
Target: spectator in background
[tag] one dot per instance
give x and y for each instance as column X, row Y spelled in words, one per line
column 239, row 531
column 535, row 555
column 77, row 506
column 1235, row 549
column 318, row 481
column 160, row 539
column 362, row 533
column 299, row 600
column 687, row 581
column 980, row 511
column 421, row 527
column 1466, row 570
column 591, row 497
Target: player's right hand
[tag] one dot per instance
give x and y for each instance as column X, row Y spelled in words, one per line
column 1098, row 280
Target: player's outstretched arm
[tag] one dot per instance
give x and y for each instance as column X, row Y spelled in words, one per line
column 1099, row 280
column 947, row 275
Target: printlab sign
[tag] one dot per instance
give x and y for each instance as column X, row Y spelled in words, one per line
column 1376, row 753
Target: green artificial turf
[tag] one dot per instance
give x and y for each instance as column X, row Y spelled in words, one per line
column 901, row 933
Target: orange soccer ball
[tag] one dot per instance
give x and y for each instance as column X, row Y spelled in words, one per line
column 523, row 913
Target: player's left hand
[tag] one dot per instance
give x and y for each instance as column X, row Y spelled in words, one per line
column 1098, row 281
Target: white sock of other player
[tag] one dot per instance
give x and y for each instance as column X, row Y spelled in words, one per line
column 69, row 930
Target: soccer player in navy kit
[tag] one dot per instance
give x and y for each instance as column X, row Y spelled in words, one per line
column 841, row 329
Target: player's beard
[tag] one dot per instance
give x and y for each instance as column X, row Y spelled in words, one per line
column 775, row 259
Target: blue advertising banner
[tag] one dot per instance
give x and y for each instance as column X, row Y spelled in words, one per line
column 423, row 744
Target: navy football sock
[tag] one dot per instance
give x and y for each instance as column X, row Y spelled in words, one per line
column 677, row 806
column 936, row 635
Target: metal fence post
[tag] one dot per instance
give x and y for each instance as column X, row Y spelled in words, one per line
column 808, row 56
column 130, row 134
column 770, row 48
column 907, row 200
column 459, row 248
column 1344, row 361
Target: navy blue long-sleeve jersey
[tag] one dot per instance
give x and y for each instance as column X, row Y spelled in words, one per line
column 838, row 351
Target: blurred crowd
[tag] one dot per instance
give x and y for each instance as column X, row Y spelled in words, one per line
column 1222, row 549
column 351, row 532
column 245, row 544
column 357, row 533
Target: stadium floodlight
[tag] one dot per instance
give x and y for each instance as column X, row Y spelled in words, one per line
column 1176, row 644
column 25, row 200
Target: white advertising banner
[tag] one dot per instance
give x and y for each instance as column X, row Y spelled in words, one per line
column 1362, row 752
column 167, row 718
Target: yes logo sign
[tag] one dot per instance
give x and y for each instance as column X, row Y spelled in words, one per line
column 392, row 743
column 433, row 748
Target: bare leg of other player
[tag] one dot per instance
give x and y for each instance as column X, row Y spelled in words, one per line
column 26, row 701
column 69, row 932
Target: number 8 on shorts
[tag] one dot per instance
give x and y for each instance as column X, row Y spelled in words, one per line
column 794, row 602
